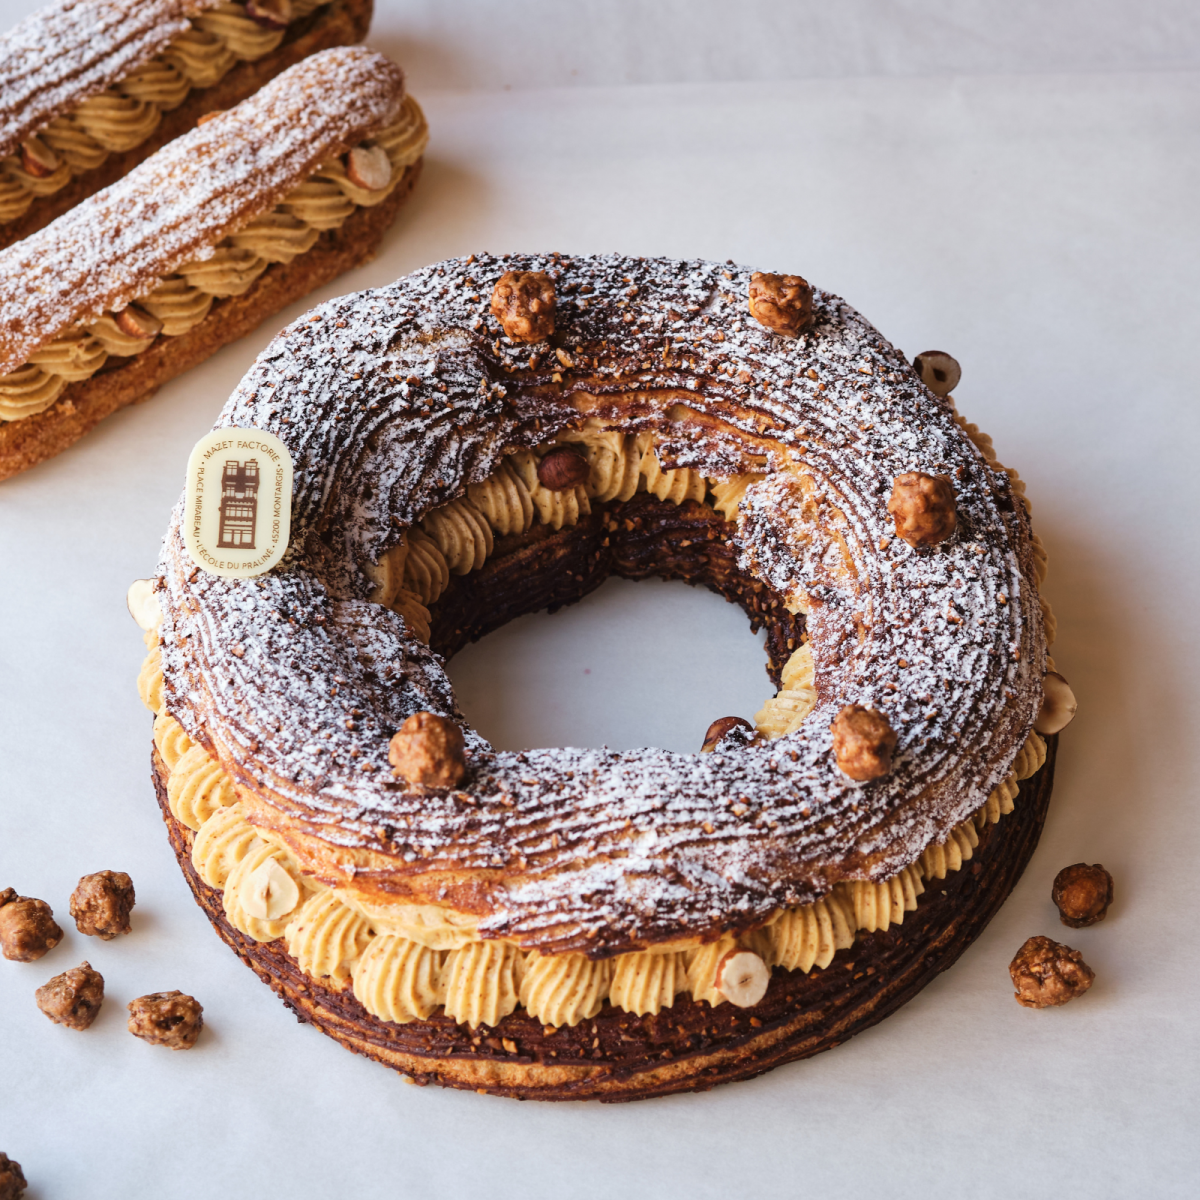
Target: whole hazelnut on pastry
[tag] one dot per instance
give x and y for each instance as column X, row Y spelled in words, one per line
column 523, row 302
column 12, row 1179
column 1058, row 704
column 73, row 998
column 783, row 303
column 1082, row 894
column 863, row 742
column 166, row 1019
column 742, row 978
column 428, row 750
column 562, row 468
column 1046, row 973
column 938, row 371
column 721, row 728
column 137, row 322
column 37, row 159
column 923, row 508
column 27, row 927
column 369, row 167
column 101, row 904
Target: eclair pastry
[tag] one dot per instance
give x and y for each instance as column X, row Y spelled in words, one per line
column 494, row 436
column 91, row 88
column 218, row 230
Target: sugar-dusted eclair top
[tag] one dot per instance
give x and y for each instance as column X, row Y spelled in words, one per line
column 73, row 49
column 178, row 204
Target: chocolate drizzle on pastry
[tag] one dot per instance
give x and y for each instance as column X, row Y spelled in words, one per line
column 393, row 401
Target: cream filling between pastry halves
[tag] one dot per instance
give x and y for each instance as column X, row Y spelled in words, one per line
column 127, row 113
column 182, row 300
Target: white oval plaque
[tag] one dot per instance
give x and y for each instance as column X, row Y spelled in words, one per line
column 239, row 502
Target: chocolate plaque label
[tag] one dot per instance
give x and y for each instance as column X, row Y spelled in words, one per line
column 239, row 502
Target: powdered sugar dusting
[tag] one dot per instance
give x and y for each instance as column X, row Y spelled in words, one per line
column 391, row 401
column 180, row 202
column 66, row 52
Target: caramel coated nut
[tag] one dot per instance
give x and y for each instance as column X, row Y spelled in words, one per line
column 1047, row 973
column 143, row 604
column 1058, row 704
column 369, row 167
column 923, row 508
column 73, row 998
column 1082, row 894
column 863, row 741
column 720, row 729
column 563, row 468
column 137, row 322
column 166, row 1019
column 523, row 302
column 270, row 14
column 101, row 904
column 27, row 927
column 12, row 1179
column 428, row 750
column 938, row 371
column 38, row 159
column 783, row 303
column 742, row 978
column 269, row 892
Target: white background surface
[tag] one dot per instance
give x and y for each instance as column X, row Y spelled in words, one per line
column 1039, row 226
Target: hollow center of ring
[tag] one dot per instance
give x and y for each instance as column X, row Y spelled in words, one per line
column 636, row 663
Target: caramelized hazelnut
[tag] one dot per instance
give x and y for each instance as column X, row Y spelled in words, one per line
column 1082, row 894
column 27, row 927
column 721, row 728
column 428, row 750
column 1059, row 705
column 37, row 159
column 938, row 371
column 863, row 741
column 101, row 904
column 12, row 1179
column 369, row 167
column 137, row 322
column 1047, row 973
column 783, row 303
column 562, row 468
column 166, row 1019
column 523, row 302
column 73, row 998
column 923, row 508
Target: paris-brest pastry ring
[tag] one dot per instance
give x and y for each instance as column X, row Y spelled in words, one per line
column 494, row 435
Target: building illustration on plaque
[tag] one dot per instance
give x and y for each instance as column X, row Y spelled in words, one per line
column 239, row 504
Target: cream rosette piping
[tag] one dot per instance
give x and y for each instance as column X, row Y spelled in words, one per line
column 183, row 300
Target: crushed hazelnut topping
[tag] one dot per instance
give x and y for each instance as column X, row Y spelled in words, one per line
column 863, row 741
column 1082, row 894
column 73, row 998
column 166, row 1019
column 523, row 302
column 27, row 927
column 101, row 904
column 923, row 508
column 783, row 303
column 1047, row 973
column 428, row 750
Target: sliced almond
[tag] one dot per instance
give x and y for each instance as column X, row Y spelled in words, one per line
column 369, row 167
column 270, row 14
column 38, row 159
column 1058, row 704
column 143, row 604
column 742, row 978
column 137, row 322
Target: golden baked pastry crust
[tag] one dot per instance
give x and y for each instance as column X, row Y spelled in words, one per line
column 82, row 405
column 339, row 23
column 690, row 1046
